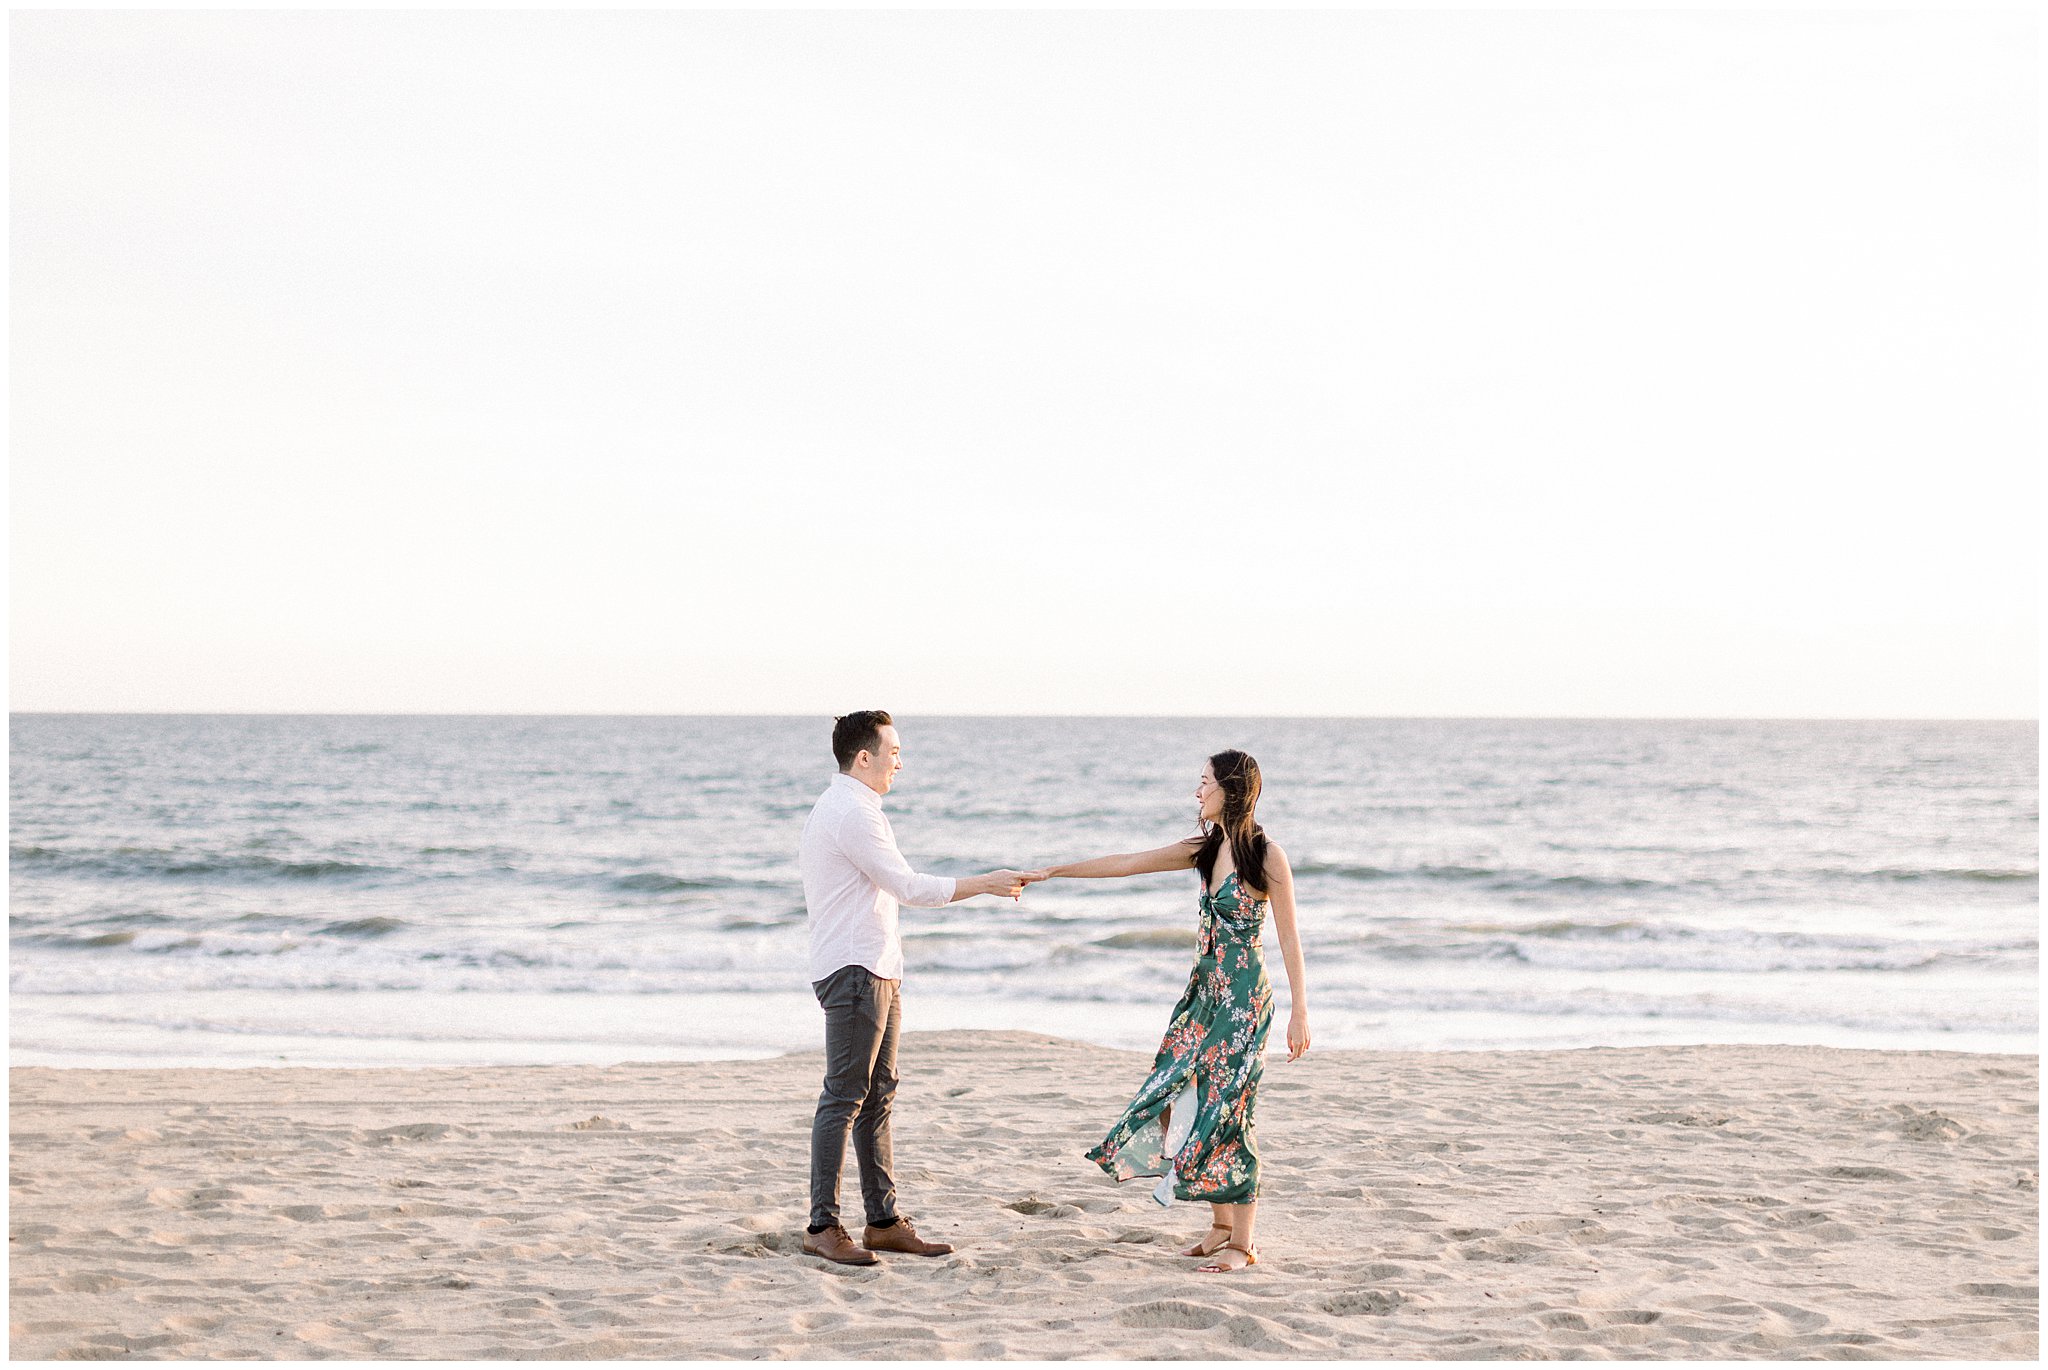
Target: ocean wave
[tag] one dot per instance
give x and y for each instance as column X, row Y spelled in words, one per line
column 427, row 864
column 142, row 917
column 1047, row 813
column 159, row 863
column 1149, row 937
column 661, row 882
column 772, row 954
column 1947, row 1015
column 364, row 927
column 1490, row 877
column 370, row 953
column 655, row 882
column 1632, row 945
column 491, row 973
column 659, row 1030
column 1555, row 927
column 1994, row 876
column 81, row 941
column 383, row 952
column 131, row 941
column 1512, row 879
column 2003, row 1011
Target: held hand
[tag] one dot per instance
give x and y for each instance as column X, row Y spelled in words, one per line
column 1297, row 1034
column 1006, row 883
column 1033, row 877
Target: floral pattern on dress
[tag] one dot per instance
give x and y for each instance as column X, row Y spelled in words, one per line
column 1217, row 1037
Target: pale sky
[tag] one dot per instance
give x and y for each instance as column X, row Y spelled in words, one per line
column 1611, row 363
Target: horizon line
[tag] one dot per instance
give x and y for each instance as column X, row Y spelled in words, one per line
column 1317, row 718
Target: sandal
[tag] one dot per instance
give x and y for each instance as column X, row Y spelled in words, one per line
column 1251, row 1258
column 1202, row 1246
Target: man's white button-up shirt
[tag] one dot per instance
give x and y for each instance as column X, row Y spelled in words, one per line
column 854, row 879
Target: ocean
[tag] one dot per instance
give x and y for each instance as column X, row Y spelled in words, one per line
column 351, row 890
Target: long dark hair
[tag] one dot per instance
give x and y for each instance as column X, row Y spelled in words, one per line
column 1238, row 774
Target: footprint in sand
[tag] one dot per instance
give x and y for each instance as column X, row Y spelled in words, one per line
column 1790, row 1317
column 1370, row 1303
column 409, row 1132
column 117, row 1346
column 1507, row 1252
column 1926, row 1127
column 313, row 1213
column 1038, row 1208
column 1255, row 1333
column 192, row 1198
column 133, row 1134
column 817, row 1321
column 1171, row 1313
column 2029, row 1292
column 761, row 1244
column 1687, row 1118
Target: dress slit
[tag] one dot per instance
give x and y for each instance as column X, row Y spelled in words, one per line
column 1216, row 1039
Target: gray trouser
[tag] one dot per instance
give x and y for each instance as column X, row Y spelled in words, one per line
column 861, row 1015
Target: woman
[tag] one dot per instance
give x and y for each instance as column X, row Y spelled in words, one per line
column 1217, row 1037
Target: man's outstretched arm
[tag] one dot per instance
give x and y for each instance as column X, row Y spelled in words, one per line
column 868, row 845
column 1006, row 884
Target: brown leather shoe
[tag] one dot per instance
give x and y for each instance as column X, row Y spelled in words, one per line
column 835, row 1245
column 901, row 1236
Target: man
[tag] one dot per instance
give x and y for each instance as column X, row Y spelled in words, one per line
column 854, row 879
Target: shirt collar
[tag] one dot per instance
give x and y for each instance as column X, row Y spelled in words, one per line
column 860, row 790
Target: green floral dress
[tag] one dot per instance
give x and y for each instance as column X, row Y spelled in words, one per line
column 1218, row 1038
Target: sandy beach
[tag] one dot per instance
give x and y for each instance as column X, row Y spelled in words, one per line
column 1698, row 1202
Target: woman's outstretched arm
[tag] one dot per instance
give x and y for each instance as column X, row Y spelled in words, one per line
column 1280, row 889
column 1176, row 856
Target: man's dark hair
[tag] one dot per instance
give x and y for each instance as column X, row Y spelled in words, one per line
column 855, row 733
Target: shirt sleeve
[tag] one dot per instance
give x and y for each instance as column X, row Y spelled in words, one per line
column 869, row 845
